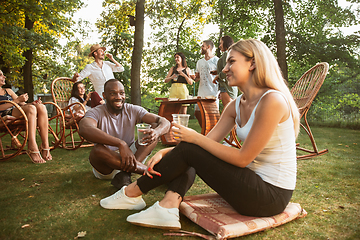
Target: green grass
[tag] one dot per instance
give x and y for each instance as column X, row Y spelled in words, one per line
column 61, row 198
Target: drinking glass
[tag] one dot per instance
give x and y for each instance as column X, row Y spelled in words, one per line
column 141, row 127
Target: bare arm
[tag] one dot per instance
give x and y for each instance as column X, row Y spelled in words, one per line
column 20, row 100
column 187, row 78
column 110, row 56
column 169, row 76
column 160, row 126
column 265, row 122
column 75, row 78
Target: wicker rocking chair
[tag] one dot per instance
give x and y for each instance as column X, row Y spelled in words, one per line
column 61, row 92
column 14, row 133
column 304, row 92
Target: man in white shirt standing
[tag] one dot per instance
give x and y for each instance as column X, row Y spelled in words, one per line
column 98, row 72
column 203, row 68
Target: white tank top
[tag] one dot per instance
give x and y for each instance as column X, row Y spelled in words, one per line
column 276, row 163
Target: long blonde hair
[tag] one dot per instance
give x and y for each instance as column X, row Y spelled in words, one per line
column 267, row 72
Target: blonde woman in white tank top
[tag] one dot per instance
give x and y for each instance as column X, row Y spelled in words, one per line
column 256, row 180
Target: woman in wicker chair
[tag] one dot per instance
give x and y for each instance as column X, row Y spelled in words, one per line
column 37, row 117
column 78, row 94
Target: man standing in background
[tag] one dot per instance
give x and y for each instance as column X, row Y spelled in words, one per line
column 98, row 72
column 203, row 68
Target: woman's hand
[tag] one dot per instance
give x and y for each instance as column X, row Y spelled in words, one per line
column 22, row 98
column 88, row 96
column 37, row 102
column 183, row 74
column 155, row 160
column 185, row 134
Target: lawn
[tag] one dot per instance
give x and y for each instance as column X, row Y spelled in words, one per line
column 58, row 199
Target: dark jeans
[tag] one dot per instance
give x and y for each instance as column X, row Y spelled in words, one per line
column 244, row 190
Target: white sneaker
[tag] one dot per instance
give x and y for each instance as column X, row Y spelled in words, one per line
column 120, row 201
column 157, row 217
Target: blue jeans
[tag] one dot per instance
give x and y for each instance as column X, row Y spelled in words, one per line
column 242, row 188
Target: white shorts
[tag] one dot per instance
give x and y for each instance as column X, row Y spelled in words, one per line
column 115, row 171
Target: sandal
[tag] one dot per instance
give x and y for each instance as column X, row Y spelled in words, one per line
column 47, row 156
column 29, row 152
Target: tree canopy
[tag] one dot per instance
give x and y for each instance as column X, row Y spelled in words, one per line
column 310, row 34
column 30, row 29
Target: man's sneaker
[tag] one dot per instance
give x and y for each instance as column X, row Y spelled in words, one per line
column 121, row 179
column 120, row 201
column 157, row 217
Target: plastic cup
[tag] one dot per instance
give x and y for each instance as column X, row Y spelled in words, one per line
column 140, row 132
column 182, row 119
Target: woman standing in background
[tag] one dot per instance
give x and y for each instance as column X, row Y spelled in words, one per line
column 179, row 75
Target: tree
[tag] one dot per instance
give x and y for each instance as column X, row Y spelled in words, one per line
column 137, row 52
column 280, row 37
column 28, row 27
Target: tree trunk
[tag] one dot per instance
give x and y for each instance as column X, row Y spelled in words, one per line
column 178, row 35
column 218, row 52
column 27, row 68
column 137, row 53
column 280, row 37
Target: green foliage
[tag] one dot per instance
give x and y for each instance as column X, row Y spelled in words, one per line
column 51, row 18
column 240, row 19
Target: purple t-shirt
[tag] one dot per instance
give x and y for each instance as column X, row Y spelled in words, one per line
column 122, row 125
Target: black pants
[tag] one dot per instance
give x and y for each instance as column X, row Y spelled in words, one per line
column 244, row 190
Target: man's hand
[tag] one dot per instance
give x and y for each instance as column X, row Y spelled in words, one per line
column 197, row 77
column 216, row 79
column 110, row 56
column 128, row 161
column 151, row 135
column 75, row 77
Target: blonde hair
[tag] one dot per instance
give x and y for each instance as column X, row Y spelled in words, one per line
column 267, row 72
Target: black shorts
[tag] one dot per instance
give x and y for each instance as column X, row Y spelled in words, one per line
column 7, row 112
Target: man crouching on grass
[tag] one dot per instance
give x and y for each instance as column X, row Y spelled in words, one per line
column 111, row 127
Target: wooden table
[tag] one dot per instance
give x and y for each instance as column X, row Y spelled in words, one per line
column 208, row 109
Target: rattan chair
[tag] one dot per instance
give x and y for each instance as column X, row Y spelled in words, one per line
column 61, row 92
column 304, row 91
column 14, row 133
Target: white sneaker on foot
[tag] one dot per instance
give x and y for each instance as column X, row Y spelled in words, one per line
column 157, row 217
column 120, row 201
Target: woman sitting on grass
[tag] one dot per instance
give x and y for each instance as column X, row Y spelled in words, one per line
column 256, row 180
column 37, row 117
